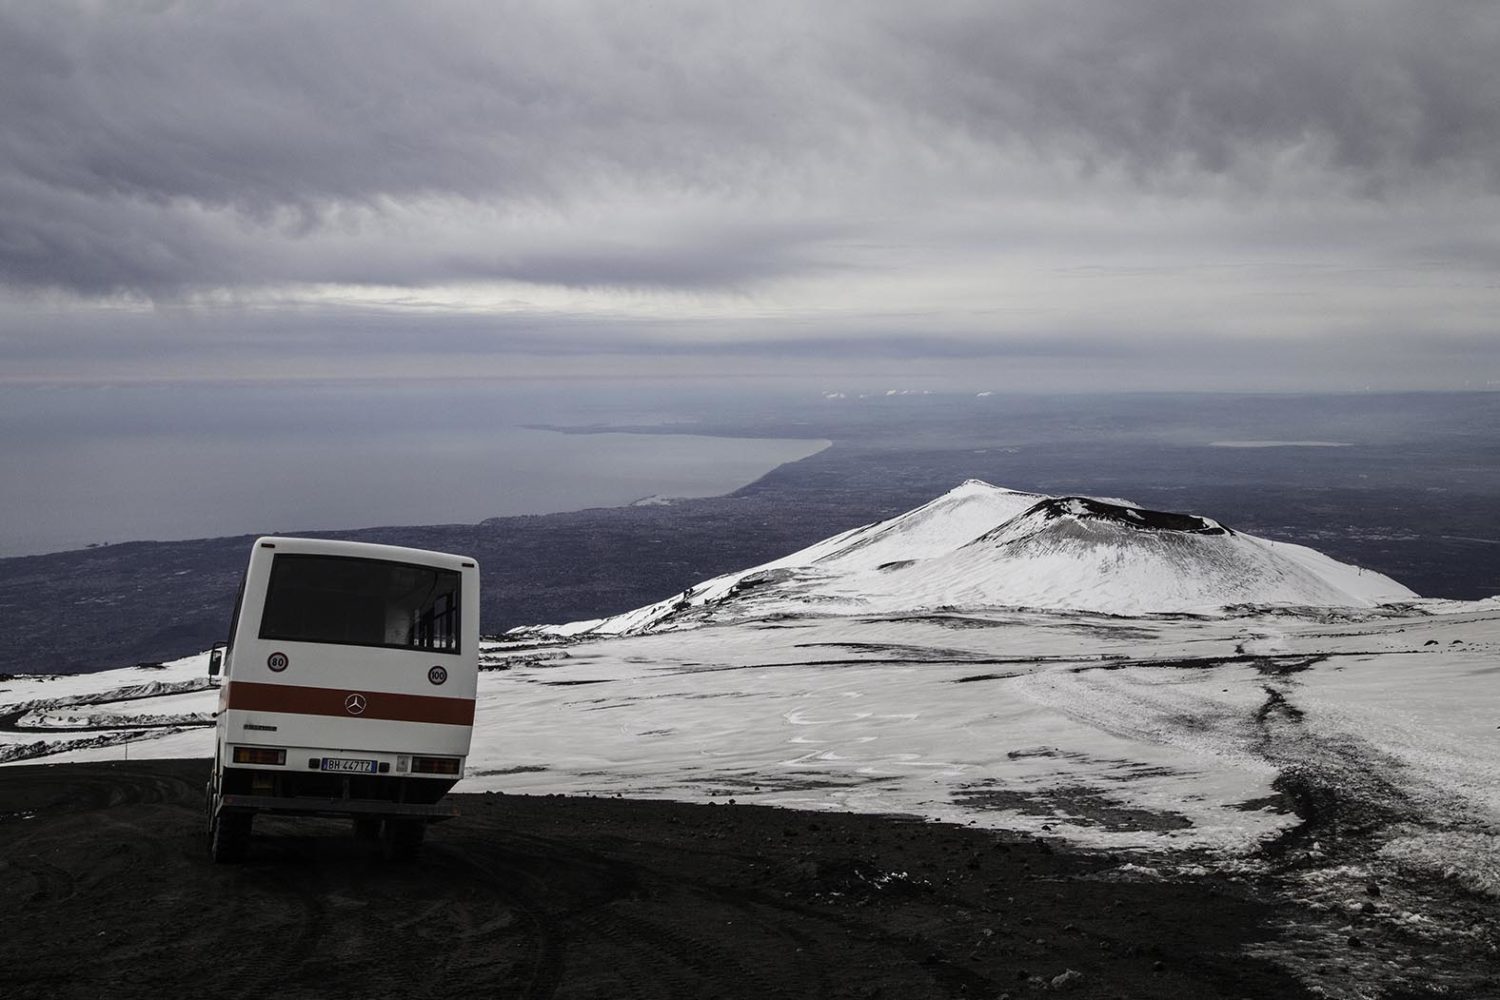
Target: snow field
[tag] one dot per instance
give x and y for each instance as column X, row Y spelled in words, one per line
column 1146, row 733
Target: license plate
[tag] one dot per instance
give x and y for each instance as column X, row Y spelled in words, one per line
column 345, row 764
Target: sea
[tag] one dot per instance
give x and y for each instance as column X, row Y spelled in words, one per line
column 85, row 465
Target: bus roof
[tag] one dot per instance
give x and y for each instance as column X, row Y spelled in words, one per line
column 364, row 550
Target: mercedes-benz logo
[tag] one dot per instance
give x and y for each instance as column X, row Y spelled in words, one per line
column 355, row 704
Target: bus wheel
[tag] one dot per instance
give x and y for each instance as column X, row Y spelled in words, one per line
column 403, row 838
column 229, row 840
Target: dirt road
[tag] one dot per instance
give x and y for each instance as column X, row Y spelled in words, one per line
column 106, row 890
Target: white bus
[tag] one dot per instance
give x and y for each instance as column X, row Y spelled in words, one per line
column 347, row 689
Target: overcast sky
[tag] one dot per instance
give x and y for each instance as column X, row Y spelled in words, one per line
column 1184, row 194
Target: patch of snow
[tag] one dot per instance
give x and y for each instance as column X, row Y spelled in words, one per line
column 1280, row 444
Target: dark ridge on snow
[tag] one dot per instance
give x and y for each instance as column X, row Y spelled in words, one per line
column 1139, row 518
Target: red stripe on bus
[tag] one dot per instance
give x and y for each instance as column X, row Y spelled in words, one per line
column 250, row 696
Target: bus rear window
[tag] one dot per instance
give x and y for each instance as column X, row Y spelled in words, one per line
column 361, row 602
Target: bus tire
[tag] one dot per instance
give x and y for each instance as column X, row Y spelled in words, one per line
column 367, row 829
column 229, row 840
column 403, row 838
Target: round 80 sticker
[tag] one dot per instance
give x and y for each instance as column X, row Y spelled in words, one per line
column 277, row 662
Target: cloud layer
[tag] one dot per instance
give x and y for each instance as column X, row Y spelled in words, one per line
column 825, row 184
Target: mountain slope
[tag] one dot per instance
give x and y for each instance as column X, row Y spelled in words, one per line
column 982, row 546
column 1079, row 553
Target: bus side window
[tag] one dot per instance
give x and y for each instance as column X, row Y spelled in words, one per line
column 234, row 622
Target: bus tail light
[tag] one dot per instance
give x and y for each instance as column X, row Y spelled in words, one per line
column 434, row 765
column 259, row 755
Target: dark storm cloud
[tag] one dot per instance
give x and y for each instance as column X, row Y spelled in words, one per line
column 147, row 149
column 1183, row 190
column 156, row 148
column 1381, row 90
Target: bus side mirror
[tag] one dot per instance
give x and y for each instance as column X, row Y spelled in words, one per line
column 215, row 661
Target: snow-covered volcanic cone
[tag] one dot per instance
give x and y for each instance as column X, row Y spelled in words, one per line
column 981, row 546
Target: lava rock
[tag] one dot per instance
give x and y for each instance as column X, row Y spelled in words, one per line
column 1067, row 980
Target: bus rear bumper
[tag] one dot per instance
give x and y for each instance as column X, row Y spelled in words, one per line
column 309, row 806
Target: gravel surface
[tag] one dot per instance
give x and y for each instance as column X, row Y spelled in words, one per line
column 106, row 890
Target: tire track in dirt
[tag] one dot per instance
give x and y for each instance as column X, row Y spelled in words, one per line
column 48, row 883
column 665, row 963
column 543, row 947
column 542, row 897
